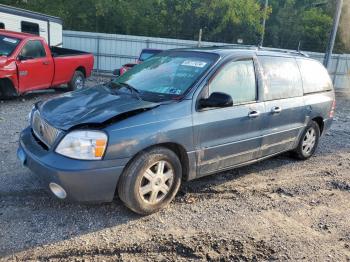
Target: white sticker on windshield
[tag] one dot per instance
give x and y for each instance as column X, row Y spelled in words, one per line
column 10, row 40
column 200, row 64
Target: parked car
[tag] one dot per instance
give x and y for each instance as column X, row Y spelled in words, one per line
column 180, row 115
column 27, row 63
column 145, row 54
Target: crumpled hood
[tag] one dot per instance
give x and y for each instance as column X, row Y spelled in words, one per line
column 94, row 105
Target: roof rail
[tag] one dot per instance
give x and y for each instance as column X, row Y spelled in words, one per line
column 286, row 51
column 260, row 48
column 236, row 46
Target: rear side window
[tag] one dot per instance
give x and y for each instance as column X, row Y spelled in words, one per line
column 31, row 28
column 2, row 26
column 282, row 76
column 315, row 76
column 33, row 49
column 236, row 79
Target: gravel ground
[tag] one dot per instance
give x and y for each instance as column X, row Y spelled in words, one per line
column 278, row 209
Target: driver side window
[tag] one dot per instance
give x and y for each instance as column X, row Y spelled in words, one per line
column 33, row 49
column 236, row 79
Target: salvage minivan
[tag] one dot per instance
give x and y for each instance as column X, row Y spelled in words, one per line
column 180, row 115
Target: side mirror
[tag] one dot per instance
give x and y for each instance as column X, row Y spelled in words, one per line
column 216, row 99
column 23, row 58
column 116, row 72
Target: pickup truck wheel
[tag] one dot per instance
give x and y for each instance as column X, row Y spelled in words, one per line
column 77, row 82
column 150, row 181
column 308, row 141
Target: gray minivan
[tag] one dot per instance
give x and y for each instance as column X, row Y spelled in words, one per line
column 180, row 115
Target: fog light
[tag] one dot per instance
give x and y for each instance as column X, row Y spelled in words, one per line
column 58, row 190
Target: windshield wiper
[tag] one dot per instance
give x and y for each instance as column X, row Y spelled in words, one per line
column 132, row 89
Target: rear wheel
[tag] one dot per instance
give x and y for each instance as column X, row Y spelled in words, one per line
column 150, row 181
column 308, row 141
column 78, row 81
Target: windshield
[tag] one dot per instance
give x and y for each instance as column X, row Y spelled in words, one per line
column 7, row 45
column 145, row 54
column 168, row 74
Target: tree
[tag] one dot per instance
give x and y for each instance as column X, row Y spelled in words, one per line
column 289, row 21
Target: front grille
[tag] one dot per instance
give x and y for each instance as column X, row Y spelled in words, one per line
column 43, row 131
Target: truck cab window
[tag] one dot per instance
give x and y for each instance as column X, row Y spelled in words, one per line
column 2, row 26
column 33, row 49
column 31, row 28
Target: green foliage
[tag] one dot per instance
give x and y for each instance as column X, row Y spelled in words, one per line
column 289, row 21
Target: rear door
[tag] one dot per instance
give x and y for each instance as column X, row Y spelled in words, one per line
column 285, row 115
column 35, row 66
column 229, row 136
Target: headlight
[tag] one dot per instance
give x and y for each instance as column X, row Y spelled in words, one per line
column 86, row 145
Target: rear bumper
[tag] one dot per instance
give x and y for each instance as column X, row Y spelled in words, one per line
column 86, row 181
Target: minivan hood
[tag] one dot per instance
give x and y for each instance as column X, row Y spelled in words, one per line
column 94, row 105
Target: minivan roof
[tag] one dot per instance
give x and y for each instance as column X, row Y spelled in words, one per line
column 228, row 50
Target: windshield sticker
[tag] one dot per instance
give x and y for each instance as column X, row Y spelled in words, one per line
column 175, row 91
column 194, row 63
column 10, row 40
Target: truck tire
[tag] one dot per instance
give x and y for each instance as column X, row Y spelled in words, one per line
column 150, row 181
column 308, row 141
column 77, row 82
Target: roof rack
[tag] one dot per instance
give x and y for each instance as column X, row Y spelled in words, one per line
column 260, row 48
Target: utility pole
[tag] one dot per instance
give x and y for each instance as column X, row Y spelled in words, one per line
column 264, row 23
column 200, row 37
column 333, row 34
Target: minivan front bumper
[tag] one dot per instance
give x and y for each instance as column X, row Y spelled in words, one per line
column 81, row 180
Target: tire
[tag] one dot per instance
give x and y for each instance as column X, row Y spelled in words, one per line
column 143, row 187
column 77, row 82
column 306, row 149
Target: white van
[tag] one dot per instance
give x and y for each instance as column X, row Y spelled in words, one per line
column 20, row 20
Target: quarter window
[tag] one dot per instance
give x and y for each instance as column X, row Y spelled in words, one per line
column 315, row 76
column 33, row 49
column 31, row 28
column 2, row 26
column 236, row 79
column 282, row 77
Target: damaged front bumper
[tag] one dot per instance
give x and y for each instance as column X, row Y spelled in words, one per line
column 81, row 180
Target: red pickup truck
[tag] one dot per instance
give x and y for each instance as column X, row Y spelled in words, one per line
column 27, row 63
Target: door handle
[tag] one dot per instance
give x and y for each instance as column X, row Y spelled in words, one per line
column 276, row 110
column 254, row 114
column 46, row 63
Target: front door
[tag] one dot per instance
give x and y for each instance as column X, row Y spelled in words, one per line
column 229, row 136
column 35, row 68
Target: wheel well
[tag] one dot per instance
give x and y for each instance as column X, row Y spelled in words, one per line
column 81, row 69
column 7, row 88
column 178, row 150
column 319, row 121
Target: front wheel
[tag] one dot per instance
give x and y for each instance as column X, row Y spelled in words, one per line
column 150, row 181
column 77, row 82
column 308, row 141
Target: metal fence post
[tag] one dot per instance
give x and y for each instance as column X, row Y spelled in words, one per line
column 98, row 53
column 336, row 70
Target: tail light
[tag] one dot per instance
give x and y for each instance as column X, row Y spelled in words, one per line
column 331, row 113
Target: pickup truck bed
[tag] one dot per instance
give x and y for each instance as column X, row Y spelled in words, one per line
column 27, row 63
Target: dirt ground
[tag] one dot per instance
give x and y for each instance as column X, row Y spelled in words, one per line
column 278, row 209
